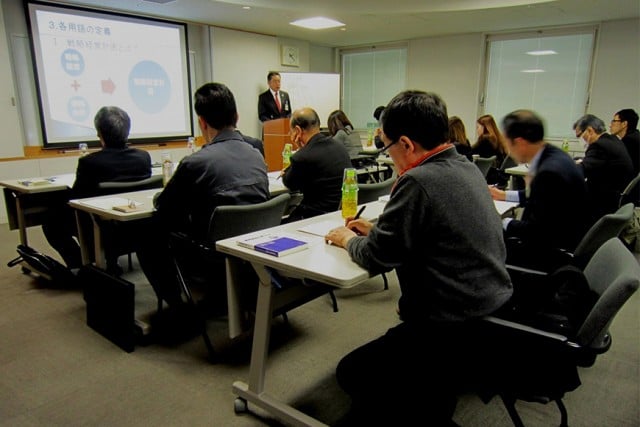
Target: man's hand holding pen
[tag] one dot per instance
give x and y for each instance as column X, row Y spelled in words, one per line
column 353, row 227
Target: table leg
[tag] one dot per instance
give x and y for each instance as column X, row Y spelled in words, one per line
column 98, row 248
column 254, row 391
column 22, row 223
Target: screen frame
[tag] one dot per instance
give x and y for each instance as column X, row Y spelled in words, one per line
column 30, row 9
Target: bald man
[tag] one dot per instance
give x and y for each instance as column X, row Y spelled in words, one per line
column 316, row 168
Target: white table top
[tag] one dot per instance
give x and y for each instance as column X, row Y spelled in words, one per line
column 103, row 205
column 521, row 170
column 40, row 184
column 320, row 261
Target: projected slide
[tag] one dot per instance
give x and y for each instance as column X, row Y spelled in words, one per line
column 86, row 60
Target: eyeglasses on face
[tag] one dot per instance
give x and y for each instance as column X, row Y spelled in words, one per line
column 386, row 147
column 579, row 133
column 615, row 120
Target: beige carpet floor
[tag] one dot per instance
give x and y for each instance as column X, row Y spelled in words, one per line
column 56, row 371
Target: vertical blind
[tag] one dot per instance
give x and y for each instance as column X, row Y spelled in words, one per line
column 370, row 79
column 548, row 74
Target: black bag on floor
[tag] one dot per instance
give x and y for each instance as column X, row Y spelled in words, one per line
column 44, row 266
column 110, row 306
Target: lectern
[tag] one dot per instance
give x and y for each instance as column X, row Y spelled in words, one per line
column 275, row 133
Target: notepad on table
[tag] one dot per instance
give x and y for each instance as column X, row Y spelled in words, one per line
column 35, row 182
column 273, row 244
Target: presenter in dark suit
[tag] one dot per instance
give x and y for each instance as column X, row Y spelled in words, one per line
column 273, row 103
column 554, row 215
column 606, row 165
column 115, row 162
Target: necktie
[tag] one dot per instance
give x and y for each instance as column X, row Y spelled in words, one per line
column 278, row 102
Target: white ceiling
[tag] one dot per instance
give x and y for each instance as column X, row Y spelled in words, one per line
column 376, row 21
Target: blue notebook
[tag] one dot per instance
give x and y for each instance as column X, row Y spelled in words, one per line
column 274, row 245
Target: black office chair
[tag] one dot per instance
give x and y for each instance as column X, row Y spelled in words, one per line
column 608, row 226
column 503, row 177
column 631, row 233
column 370, row 192
column 115, row 187
column 116, row 245
column 540, row 364
column 484, row 164
column 294, row 202
column 226, row 221
column 631, row 193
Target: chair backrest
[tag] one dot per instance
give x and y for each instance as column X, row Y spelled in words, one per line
column 631, row 193
column 614, row 274
column 233, row 220
column 294, row 202
column 484, row 164
column 608, row 226
column 507, row 163
column 370, row 192
column 114, row 187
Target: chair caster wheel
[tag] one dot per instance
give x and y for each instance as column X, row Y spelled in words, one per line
column 240, row 405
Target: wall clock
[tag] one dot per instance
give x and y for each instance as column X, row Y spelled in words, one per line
column 290, row 56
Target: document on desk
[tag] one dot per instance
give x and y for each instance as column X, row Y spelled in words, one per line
column 107, row 203
column 67, row 179
column 503, row 207
column 322, row 228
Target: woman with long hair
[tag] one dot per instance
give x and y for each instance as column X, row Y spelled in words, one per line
column 458, row 136
column 341, row 129
column 490, row 142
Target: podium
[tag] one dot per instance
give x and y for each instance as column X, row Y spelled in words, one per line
column 275, row 133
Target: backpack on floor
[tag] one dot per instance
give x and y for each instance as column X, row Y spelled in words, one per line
column 43, row 265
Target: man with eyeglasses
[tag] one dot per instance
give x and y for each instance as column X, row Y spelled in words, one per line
column 606, row 165
column 441, row 233
column 624, row 126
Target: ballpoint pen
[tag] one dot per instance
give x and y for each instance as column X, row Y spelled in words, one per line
column 359, row 212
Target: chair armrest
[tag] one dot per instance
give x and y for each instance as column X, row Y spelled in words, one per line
column 525, row 329
column 526, row 270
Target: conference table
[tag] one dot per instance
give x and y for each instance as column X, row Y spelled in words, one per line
column 320, row 263
column 520, row 170
column 105, row 208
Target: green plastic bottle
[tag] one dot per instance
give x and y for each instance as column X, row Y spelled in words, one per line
column 349, row 193
column 286, row 156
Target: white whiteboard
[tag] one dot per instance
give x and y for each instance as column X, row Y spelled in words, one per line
column 320, row 91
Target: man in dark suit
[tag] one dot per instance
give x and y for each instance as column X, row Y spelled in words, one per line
column 606, row 165
column 316, row 168
column 554, row 202
column 624, row 126
column 115, row 162
column 273, row 103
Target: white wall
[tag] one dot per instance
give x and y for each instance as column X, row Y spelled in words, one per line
column 242, row 61
column 451, row 67
column 616, row 76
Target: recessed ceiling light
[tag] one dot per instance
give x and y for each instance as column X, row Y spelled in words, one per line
column 533, row 70
column 542, row 52
column 246, row 7
column 317, row 23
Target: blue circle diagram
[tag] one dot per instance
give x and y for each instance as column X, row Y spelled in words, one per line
column 149, row 86
column 72, row 62
column 78, row 108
